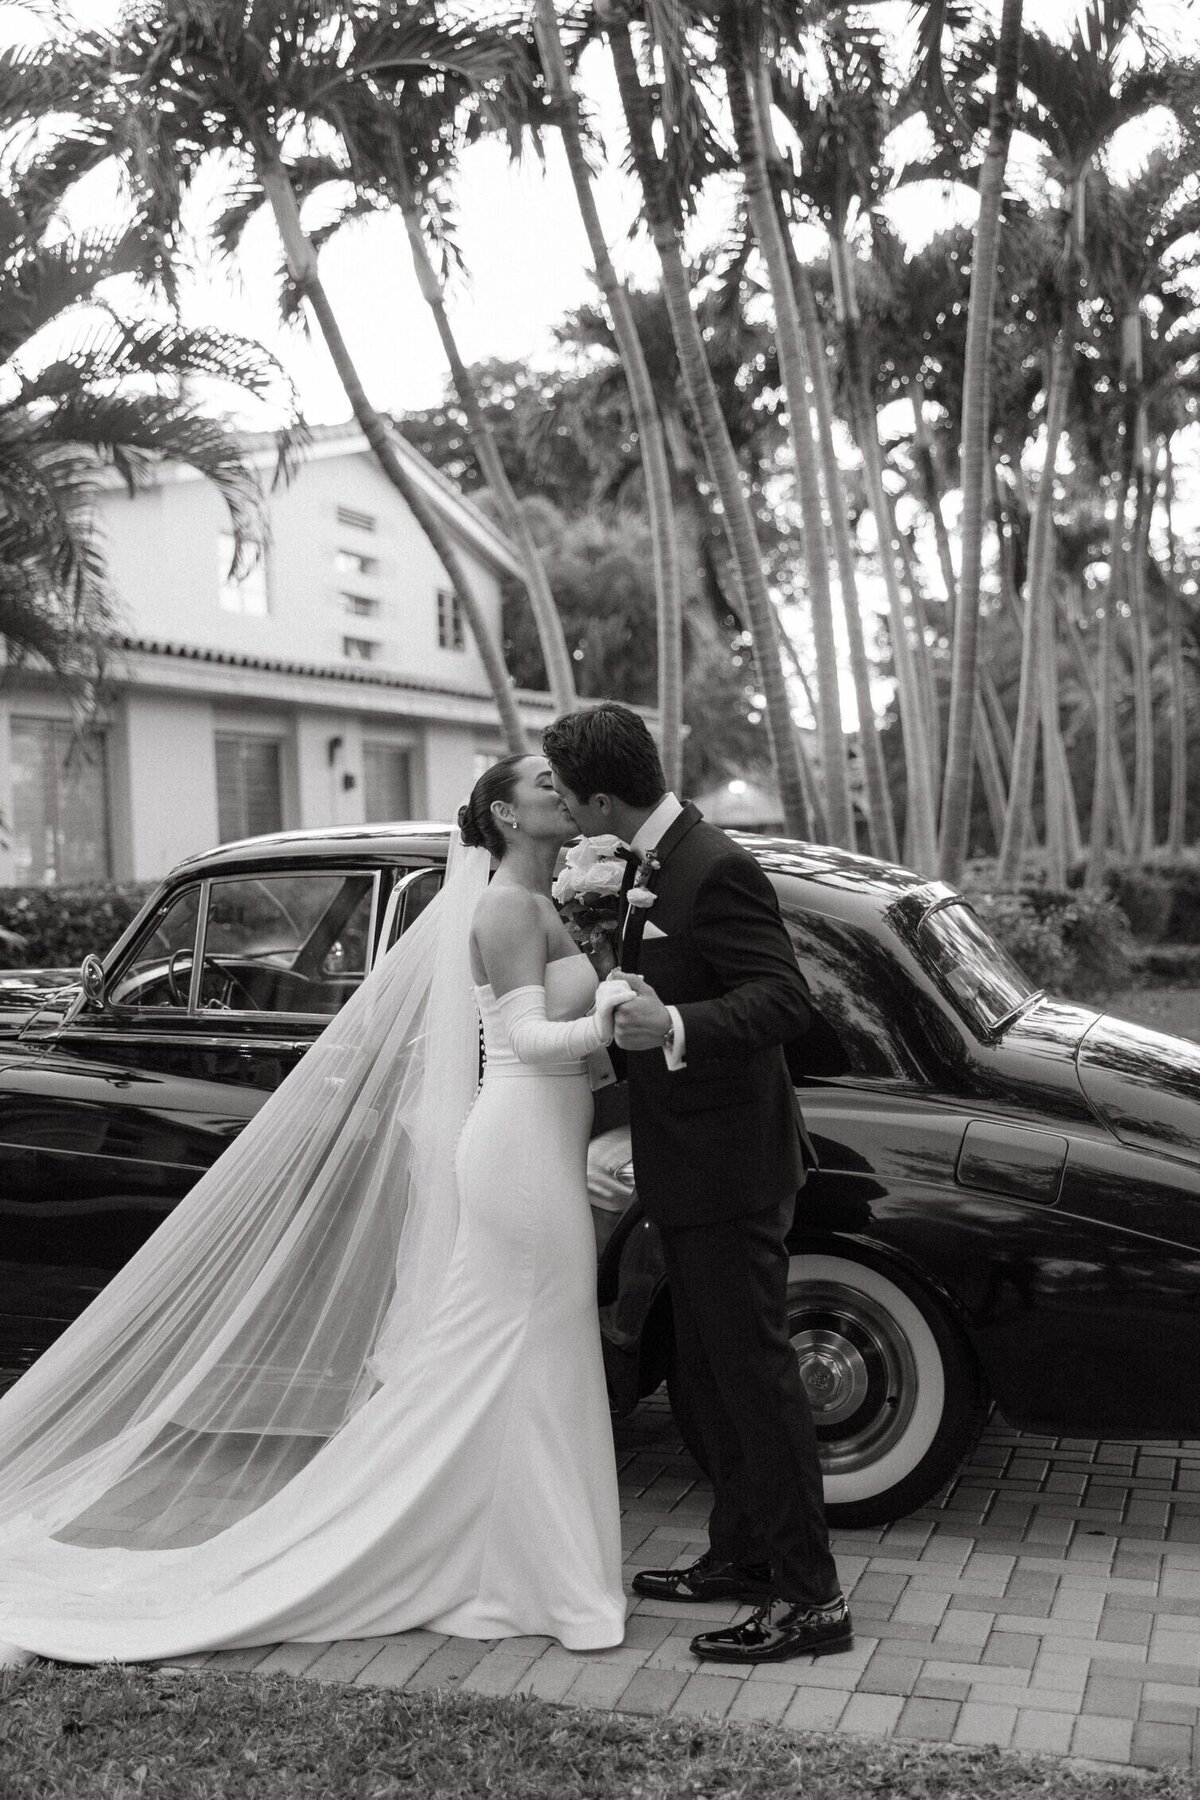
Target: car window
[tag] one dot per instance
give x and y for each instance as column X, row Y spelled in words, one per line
column 862, row 1001
column 285, row 943
column 983, row 981
column 159, row 970
column 416, row 898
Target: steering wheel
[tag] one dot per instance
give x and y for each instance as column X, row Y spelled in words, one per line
column 229, row 986
column 178, row 998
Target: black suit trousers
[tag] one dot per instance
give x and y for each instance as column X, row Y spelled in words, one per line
column 740, row 1396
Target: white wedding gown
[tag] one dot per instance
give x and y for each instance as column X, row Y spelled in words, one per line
column 476, row 1495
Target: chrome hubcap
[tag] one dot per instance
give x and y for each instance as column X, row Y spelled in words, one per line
column 858, row 1371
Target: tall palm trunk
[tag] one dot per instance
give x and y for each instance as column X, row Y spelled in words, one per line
column 740, row 60
column 1107, row 751
column 921, row 821
column 706, row 410
column 1123, row 819
column 1177, row 815
column 923, row 450
column 987, row 755
column 920, row 643
column 881, row 822
column 998, row 718
column 1143, row 666
column 975, row 438
column 664, row 537
column 811, row 792
column 1052, row 758
column 1036, row 640
column 302, row 265
column 560, row 672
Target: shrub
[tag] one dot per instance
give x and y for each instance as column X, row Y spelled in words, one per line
column 1169, row 965
column 1074, row 945
column 54, row 928
column 1183, row 925
column 1147, row 898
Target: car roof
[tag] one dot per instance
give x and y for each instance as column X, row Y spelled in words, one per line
column 331, row 843
column 839, row 874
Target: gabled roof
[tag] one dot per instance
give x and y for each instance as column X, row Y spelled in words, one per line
column 329, row 441
column 348, row 439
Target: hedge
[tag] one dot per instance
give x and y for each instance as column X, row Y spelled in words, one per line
column 1168, row 965
column 1075, row 945
column 54, row 928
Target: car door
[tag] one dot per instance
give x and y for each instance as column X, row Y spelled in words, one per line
column 215, row 999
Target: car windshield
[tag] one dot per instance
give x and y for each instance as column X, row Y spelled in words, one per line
column 981, row 978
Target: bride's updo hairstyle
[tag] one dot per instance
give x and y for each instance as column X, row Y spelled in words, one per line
column 477, row 823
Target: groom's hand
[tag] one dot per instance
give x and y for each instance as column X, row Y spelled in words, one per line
column 640, row 1023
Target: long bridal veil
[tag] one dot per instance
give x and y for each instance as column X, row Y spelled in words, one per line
column 277, row 1298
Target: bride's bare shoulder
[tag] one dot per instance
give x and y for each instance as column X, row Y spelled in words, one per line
column 507, row 911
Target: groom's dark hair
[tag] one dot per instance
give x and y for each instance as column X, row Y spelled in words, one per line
column 606, row 749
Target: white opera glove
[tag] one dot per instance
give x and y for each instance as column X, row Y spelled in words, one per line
column 539, row 1040
column 612, row 992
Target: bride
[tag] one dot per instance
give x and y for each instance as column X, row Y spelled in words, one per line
column 353, row 1384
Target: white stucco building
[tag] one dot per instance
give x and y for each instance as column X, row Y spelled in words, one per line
column 335, row 683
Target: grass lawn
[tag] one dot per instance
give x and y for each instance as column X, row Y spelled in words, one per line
column 96, row 1734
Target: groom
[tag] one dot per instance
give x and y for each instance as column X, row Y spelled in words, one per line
column 718, row 1157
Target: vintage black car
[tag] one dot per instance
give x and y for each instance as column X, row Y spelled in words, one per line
column 1007, row 1206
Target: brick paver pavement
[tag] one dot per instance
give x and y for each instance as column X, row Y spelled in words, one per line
column 1048, row 1601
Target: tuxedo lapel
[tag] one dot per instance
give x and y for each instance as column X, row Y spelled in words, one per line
column 676, row 831
column 634, row 923
column 627, row 880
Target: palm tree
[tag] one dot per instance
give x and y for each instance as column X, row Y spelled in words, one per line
column 975, row 441
column 662, row 211
column 840, row 173
column 401, row 152
column 668, row 577
column 881, row 823
column 109, row 399
column 1080, row 95
column 916, row 309
column 1137, row 233
column 740, row 35
column 179, row 80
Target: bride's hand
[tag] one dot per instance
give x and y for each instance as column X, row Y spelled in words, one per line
column 612, row 992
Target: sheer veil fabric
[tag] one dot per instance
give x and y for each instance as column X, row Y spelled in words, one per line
column 141, row 1455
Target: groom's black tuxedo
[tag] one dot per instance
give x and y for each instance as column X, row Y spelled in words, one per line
column 719, row 1152
column 721, row 1137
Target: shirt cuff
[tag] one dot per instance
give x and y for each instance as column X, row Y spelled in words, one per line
column 676, row 1051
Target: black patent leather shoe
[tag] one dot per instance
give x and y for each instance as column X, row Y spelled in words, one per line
column 779, row 1630
column 706, row 1579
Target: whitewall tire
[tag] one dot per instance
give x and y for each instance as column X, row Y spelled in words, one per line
column 896, row 1394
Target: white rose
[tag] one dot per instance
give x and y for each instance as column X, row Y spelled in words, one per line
column 598, row 877
column 593, row 850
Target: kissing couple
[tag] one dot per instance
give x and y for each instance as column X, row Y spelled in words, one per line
column 353, row 1384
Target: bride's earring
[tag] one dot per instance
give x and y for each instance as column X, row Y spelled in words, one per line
column 514, row 824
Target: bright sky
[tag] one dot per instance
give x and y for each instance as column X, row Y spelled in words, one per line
column 521, row 241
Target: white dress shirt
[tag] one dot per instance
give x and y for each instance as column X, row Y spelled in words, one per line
column 648, row 836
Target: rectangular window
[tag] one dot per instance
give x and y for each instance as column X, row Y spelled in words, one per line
column 360, row 606
column 247, row 593
column 357, row 521
column 387, row 783
column 249, row 786
column 352, row 562
column 451, row 635
column 360, row 649
column 60, row 804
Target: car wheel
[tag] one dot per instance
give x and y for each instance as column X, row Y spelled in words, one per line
column 896, row 1393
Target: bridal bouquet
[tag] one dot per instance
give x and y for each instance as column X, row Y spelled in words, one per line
column 587, row 892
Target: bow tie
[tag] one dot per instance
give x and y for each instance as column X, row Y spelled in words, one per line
column 626, row 855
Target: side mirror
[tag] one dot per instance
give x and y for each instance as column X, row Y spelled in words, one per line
column 91, row 975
